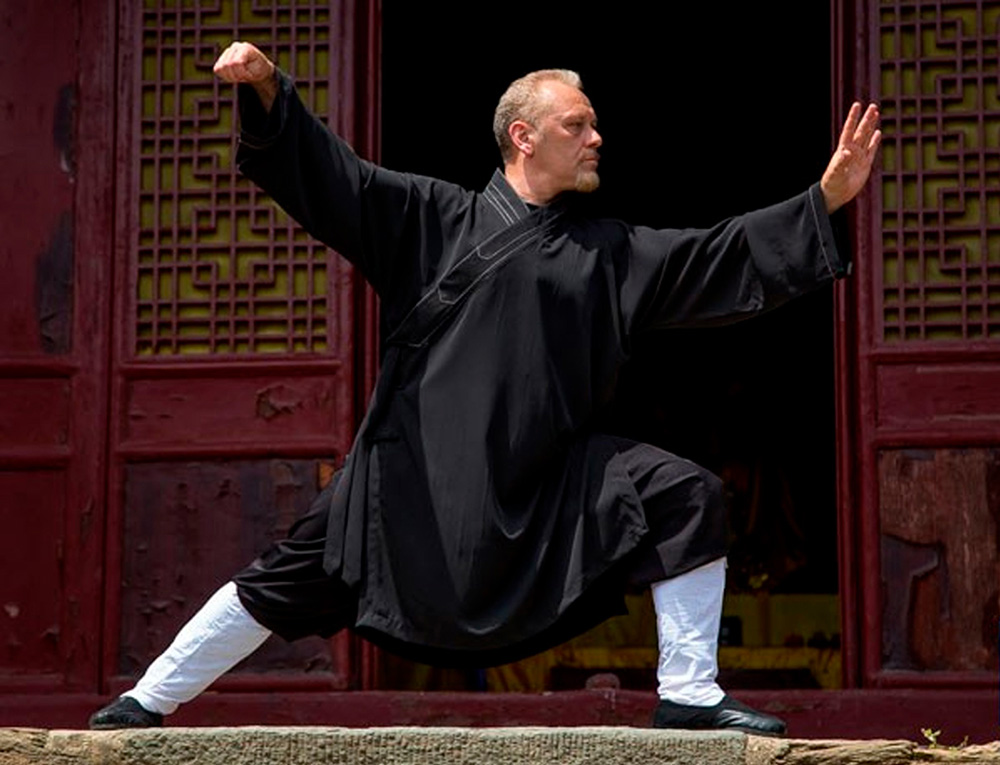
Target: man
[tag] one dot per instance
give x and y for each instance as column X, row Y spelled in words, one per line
column 479, row 517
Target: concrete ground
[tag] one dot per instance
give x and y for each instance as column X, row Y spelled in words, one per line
column 457, row 746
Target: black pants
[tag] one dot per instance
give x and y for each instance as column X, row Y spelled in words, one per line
column 288, row 591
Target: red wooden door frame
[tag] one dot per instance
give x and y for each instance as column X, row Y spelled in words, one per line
column 846, row 331
column 354, row 91
column 872, row 415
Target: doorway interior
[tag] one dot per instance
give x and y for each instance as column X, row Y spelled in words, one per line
column 707, row 110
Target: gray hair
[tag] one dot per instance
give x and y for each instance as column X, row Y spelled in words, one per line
column 520, row 102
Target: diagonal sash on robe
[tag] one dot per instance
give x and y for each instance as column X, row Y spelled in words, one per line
column 438, row 305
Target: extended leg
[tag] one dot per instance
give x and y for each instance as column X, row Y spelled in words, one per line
column 285, row 591
column 216, row 638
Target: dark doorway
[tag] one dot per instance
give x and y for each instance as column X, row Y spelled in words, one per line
column 707, row 110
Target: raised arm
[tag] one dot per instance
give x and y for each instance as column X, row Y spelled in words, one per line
column 243, row 63
column 376, row 218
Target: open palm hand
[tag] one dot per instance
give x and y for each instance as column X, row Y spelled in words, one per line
column 851, row 163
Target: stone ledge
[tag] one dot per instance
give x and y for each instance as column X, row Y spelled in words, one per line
column 457, row 746
column 370, row 746
column 771, row 751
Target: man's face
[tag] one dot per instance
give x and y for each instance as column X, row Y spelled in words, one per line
column 566, row 139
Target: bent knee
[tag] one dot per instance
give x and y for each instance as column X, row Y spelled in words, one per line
column 711, row 490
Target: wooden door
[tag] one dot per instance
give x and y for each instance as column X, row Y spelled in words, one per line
column 55, row 206
column 919, row 350
column 237, row 365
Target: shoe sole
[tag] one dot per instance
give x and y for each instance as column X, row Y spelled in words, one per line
column 739, row 729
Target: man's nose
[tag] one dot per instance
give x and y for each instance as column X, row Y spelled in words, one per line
column 595, row 138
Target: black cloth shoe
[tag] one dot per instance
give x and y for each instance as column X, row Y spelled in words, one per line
column 728, row 714
column 124, row 712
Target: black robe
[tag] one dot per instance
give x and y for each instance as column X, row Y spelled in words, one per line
column 478, row 515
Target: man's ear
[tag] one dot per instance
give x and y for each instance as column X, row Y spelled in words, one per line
column 522, row 135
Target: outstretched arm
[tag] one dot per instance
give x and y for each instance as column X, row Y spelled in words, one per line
column 851, row 164
column 741, row 267
column 372, row 216
column 757, row 261
column 244, row 63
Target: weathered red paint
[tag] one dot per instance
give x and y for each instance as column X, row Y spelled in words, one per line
column 32, row 626
column 38, row 193
column 189, row 526
column 36, row 413
column 368, row 137
column 56, row 112
column 956, row 399
column 940, row 563
column 847, row 325
column 235, row 410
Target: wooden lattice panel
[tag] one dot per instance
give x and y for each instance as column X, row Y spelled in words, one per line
column 941, row 169
column 218, row 268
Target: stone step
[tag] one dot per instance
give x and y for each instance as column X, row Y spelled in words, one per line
column 456, row 746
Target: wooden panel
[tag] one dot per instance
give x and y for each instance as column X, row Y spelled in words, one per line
column 188, row 528
column 957, row 396
column 940, row 525
column 251, row 410
column 36, row 197
column 31, row 588
column 34, row 413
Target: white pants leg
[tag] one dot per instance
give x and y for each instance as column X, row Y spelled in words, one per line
column 688, row 615
column 217, row 638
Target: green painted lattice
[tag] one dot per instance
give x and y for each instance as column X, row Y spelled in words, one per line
column 941, row 170
column 218, row 268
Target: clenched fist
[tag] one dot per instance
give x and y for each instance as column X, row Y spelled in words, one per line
column 243, row 62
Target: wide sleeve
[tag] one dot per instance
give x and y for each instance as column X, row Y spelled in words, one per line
column 376, row 218
column 742, row 266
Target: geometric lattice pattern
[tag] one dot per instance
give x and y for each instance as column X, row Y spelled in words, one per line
column 219, row 269
column 941, row 169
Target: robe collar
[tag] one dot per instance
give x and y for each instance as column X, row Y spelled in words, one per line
column 504, row 200
column 511, row 208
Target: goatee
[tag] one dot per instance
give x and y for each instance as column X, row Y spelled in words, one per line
column 588, row 181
